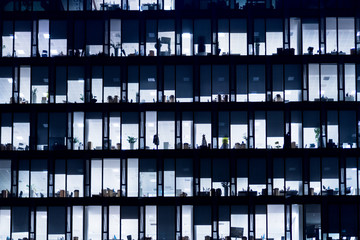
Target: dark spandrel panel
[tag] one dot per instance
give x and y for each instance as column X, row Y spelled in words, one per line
column 311, row 119
column 60, row 166
column 39, row 165
column 169, row 77
column 277, row 77
column 148, row 77
column 166, row 222
column 202, row 215
column 205, row 80
column 79, row 35
column 131, row 27
column 221, row 171
column 275, row 124
column 257, row 171
column 330, row 168
column 205, row 168
column 20, row 219
column 184, row 81
column 40, row 75
column 220, row 79
column 58, row 29
column 56, row 219
column 148, row 165
column 75, row 166
column 256, row 78
column 133, row 74
column 242, row 167
column 278, row 168
column 60, row 81
column 292, row 77
column 314, row 169
column 349, row 220
column 76, row 73
column 166, row 116
column 224, row 213
column 184, row 167
column 130, row 118
column 93, row 28
column 6, row 120
column 333, row 219
column 128, row 212
column 112, row 76
column 21, row 117
column 293, row 169
column 239, row 210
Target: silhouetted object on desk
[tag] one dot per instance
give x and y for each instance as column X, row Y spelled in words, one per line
column 287, row 143
column 203, row 142
column 156, row 140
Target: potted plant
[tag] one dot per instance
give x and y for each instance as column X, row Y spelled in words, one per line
column 225, row 143
column 317, row 136
column 32, row 190
column 116, row 46
column 132, row 141
column 277, row 145
column 93, row 99
column 34, row 92
column 226, row 186
column 76, row 143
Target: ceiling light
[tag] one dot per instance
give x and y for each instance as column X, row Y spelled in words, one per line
column 80, row 125
column 116, row 125
column 54, row 51
column 10, row 80
column 46, row 35
column 151, row 79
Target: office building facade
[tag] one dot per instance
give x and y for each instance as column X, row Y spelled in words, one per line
column 186, row 120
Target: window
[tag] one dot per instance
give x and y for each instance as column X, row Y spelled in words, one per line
column 129, row 222
column 75, row 178
column 112, row 84
column 310, row 36
column 39, row 85
column 22, row 40
column 93, row 131
column 202, row 37
column 130, row 131
column 346, row 35
column 256, row 78
column 238, row 37
column 43, row 38
column 274, row 35
column 130, row 41
column 75, row 85
column 6, row 81
column 311, row 131
column 184, row 177
column 115, row 38
column 148, row 177
column 58, row 38
column 148, row 84
column 8, row 39
column 223, row 37
column 184, row 83
column 166, row 37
